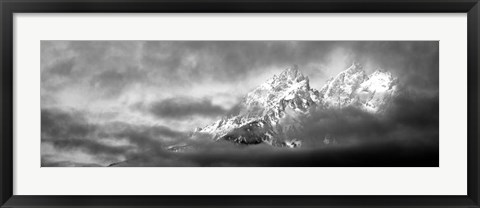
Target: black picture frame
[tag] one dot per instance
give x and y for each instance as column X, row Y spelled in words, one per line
column 9, row 7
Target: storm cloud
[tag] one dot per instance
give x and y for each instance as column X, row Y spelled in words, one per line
column 184, row 107
column 187, row 63
column 404, row 135
column 124, row 103
column 411, row 120
column 69, row 132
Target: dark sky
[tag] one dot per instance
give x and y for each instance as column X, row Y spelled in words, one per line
column 103, row 101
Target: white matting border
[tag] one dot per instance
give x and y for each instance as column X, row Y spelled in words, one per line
column 448, row 179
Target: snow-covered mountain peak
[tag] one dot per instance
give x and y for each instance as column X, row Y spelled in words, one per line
column 353, row 87
column 288, row 77
column 267, row 109
column 382, row 74
column 379, row 81
column 291, row 74
column 354, row 68
column 377, row 90
column 338, row 90
column 287, row 85
column 273, row 112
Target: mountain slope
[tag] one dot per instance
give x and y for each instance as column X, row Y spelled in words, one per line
column 270, row 112
column 274, row 112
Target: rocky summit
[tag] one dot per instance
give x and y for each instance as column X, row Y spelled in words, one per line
column 273, row 112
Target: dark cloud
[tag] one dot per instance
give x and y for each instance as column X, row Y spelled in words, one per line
column 187, row 61
column 50, row 162
column 145, row 137
column 415, row 63
column 69, row 131
column 115, row 64
column 87, row 145
column 84, row 62
column 405, row 135
column 62, row 68
column 63, row 124
column 113, row 82
column 381, row 154
column 185, row 107
column 410, row 121
column 416, row 110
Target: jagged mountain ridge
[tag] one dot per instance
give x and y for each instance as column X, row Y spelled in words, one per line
column 273, row 112
column 354, row 87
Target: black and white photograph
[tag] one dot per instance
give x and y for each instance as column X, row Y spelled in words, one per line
column 239, row 103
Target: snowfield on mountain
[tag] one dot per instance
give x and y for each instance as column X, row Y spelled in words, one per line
column 274, row 113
